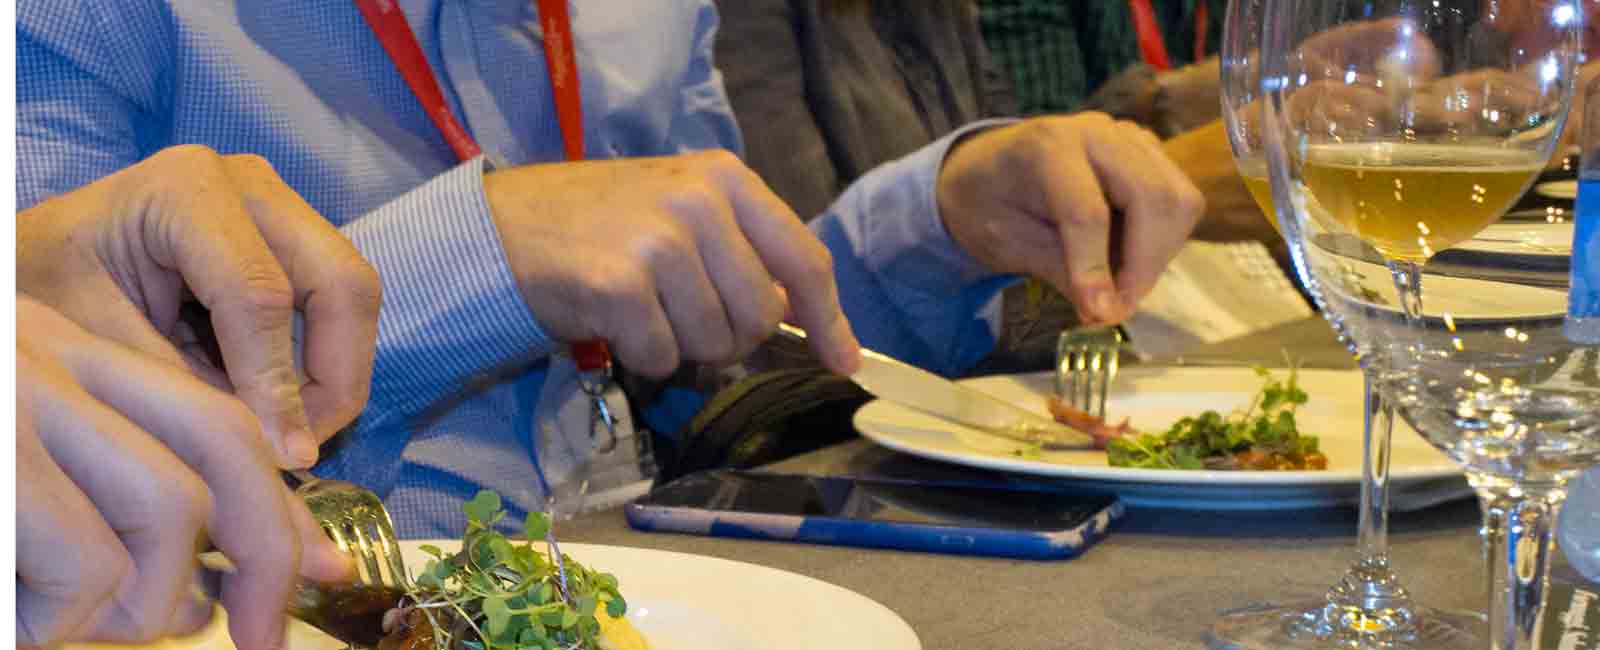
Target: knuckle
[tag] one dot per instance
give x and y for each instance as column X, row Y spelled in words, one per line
column 665, row 245
column 694, row 203
column 718, row 160
column 252, row 163
column 264, row 290
column 816, row 265
column 101, row 570
column 190, row 156
column 1097, row 215
column 187, row 500
column 364, row 284
column 616, row 287
column 1191, row 202
column 349, row 403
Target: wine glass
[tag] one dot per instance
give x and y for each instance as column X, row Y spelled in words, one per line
column 1369, row 601
column 1395, row 133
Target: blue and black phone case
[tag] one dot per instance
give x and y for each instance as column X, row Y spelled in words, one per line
column 960, row 540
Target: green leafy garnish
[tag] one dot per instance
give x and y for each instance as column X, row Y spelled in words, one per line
column 1266, row 427
column 509, row 593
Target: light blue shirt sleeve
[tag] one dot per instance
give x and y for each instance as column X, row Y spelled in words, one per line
column 452, row 310
column 909, row 290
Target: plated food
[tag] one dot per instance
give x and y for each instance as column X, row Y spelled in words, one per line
column 500, row 594
column 1262, row 436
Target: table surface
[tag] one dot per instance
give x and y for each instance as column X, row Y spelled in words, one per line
column 1157, row 581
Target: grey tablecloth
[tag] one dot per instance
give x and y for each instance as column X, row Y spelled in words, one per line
column 1156, row 582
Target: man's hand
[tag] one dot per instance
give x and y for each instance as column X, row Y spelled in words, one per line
column 1231, row 212
column 121, row 255
column 123, row 462
column 1089, row 205
column 681, row 258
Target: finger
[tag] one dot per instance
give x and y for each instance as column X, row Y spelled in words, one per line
column 1158, row 223
column 320, row 559
column 195, row 609
column 633, row 319
column 210, row 238
column 1076, row 206
column 797, row 260
column 750, row 297
column 154, row 504
column 217, row 437
column 69, row 561
column 339, row 292
column 694, row 308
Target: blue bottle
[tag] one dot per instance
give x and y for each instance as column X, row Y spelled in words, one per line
column 1583, row 297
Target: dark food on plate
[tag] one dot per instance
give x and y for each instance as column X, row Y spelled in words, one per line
column 1263, row 436
column 499, row 594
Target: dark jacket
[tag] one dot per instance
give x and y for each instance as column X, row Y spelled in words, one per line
column 824, row 95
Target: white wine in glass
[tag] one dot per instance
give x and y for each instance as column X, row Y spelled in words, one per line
column 1394, row 150
column 1368, row 605
column 1410, row 201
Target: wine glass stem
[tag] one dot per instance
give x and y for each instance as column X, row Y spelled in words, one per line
column 1372, row 537
column 1517, row 535
column 1369, row 602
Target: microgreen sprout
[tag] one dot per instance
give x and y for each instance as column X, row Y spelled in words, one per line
column 506, row 592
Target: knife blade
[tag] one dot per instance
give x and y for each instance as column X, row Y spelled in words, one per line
column 902, row 383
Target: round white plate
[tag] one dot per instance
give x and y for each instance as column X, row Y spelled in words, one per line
column 1525, row 239
column 1558, row 189
column 1153, row 398
column 1466, row 300
column 686, row 602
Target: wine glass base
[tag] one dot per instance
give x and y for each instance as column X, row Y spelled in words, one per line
column 1312, row 625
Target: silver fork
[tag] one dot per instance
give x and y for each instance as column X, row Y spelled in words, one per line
column 355, row 519
column 1086, row 364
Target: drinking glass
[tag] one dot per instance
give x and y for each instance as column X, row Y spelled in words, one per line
column 1368, row 602
column 1395, row 133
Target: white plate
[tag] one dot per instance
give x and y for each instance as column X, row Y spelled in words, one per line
column 1154, row 398
column 1558, row 189
column 1536, row 239
column 1466, row 300
column 687, row 602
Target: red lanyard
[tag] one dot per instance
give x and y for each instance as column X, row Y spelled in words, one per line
column 389, row 24
column 1153, row 46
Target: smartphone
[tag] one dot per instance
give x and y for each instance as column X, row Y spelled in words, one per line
column 960, row 518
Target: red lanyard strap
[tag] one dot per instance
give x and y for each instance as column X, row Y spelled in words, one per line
column 1153, row 46
column 389, row 24
column 562, row 65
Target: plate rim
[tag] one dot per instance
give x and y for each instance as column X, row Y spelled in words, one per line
column 1107, row 474
column 576, row 549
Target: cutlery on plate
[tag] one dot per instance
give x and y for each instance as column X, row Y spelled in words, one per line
column 1086, row 363
column 355, row 519
column 896, row 381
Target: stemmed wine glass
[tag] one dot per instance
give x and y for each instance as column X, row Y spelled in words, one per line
column 1395, row 132
column 1368, row 603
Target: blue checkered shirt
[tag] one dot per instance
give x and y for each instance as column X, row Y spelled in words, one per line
column 102, row 84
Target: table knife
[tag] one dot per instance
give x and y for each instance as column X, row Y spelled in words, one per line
column 902, row 383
